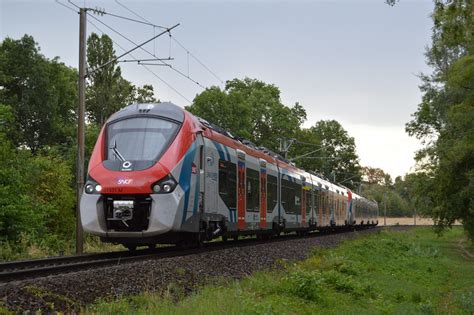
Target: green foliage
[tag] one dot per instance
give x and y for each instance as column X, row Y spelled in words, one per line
column 144, row 94
column 41, row 93
column 251, row 109
column 108, row 91
column 335, row 155
column 376, row 176
column 444, row 118
column 397, row 206
column 38, row 99
column 405, row 273
column 36, row 199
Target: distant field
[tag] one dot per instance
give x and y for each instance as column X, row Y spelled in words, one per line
column 407, row 221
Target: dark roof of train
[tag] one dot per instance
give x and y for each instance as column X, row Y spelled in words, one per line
column 164, row 109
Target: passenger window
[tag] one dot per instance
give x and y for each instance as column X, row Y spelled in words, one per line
column 253, row 182
column 228, row 183
column 272, row 193
column 308, row 201
column 291, row 196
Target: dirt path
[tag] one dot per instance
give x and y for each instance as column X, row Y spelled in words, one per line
column 464, row 251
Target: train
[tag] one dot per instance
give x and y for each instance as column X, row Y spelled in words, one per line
column 161, row 175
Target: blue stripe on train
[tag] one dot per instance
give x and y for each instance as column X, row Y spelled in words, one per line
column 185, row 177
column 219, row 150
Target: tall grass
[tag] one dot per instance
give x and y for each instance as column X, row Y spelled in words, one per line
column 412, row 272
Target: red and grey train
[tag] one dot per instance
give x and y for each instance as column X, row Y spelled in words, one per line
column 159, row 174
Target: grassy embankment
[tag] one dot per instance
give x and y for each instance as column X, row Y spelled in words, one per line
column 406, row 273
column 31, row 249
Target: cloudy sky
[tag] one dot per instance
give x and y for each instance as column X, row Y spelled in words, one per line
column 355, row 61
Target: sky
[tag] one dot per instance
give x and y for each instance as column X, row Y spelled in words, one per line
column 355, row 61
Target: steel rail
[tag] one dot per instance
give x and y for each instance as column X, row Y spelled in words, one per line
column 35, row 268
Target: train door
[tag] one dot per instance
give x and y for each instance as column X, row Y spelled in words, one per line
column 320, row 199
column 241, row 191
column 211, row 169
column 303, row 204
column 350, row 216
column 263, row 194
column 332, row 208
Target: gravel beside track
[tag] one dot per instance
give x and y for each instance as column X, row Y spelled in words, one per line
column 69, row 292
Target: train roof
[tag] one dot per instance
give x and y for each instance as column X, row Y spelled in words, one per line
column 174, row 112
column 164, row 109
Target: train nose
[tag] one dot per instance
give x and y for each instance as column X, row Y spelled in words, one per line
column 131, row 215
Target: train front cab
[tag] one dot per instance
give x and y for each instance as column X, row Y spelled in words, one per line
column 140, row 173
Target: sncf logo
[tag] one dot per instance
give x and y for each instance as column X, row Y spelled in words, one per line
column 124, row 181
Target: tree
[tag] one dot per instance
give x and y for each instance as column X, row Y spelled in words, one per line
column 444, row 118
column 335, row 155
column 36, row 198
column 107, row 90
column 250, row 109
column 144, row 94
column 376, row 176
column 41, row 92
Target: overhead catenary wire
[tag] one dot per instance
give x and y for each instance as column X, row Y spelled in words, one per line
column 147, row 51
column 144, row 66
column 133, row 20
column 135, row 48
column 178, row 42
column 118, row 45
column 196, row 58
column 66, row 6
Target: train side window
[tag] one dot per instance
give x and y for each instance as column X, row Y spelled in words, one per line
column 272, row 193
column 253, row 184
column 228, row 183
column 291, row 196
column 308, row 201
column 286, row 193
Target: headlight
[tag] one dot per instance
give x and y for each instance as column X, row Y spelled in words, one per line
column 92, row 187
column 156, row 188
column 165, row 185
column 89, row 188
column 167, row 188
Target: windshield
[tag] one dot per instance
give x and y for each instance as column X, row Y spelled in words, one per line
column 141, row 138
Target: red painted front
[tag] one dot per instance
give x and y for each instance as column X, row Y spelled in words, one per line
column 141, row 181
column 263, row 198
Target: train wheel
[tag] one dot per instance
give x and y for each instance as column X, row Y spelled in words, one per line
column 152, row 246
column 235, row 238
column 225, row 238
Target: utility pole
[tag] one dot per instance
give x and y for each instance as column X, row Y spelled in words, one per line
column 285, row 145
column 385, row 209
column 80, row 127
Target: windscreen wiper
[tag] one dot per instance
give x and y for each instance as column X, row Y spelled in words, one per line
column 116, row 151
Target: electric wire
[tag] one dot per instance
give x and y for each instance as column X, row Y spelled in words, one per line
column 118, row 45
column 132, row 20
column 148, row 52
column 195, row 58
column 66, row 6
column 134, row 13
column 144, row 65
column 178, row 42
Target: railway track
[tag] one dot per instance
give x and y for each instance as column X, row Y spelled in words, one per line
column 35, row 268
